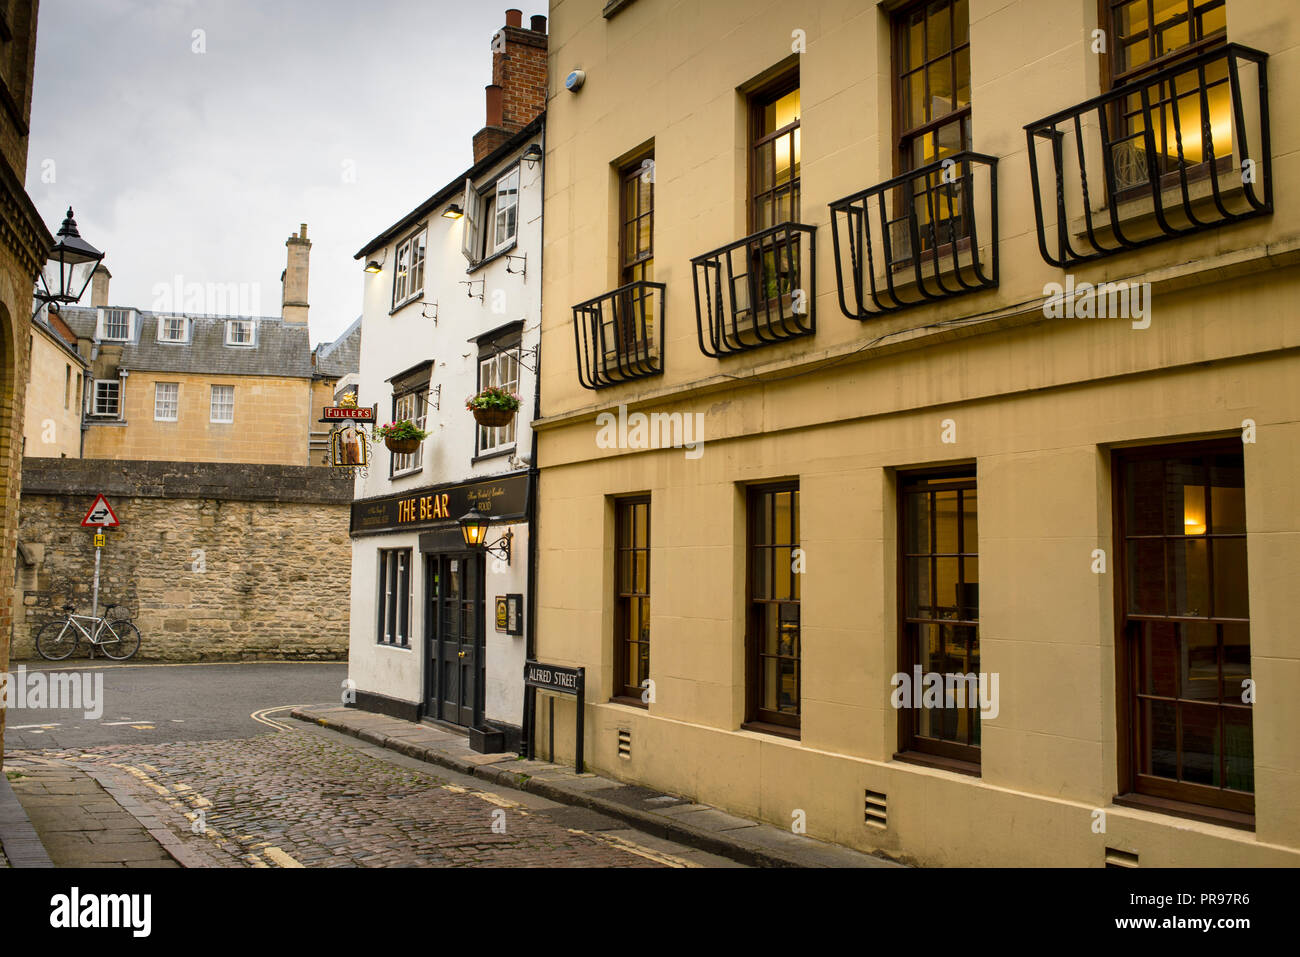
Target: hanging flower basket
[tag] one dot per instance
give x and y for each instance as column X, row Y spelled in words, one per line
column 402, row 437
column 401, row 446
column 493, row 407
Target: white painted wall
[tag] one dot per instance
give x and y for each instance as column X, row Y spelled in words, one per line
column 393, row 343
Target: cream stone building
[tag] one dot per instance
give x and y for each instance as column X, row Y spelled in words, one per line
column 832, row 402
column 184, row 386
column 58, row 375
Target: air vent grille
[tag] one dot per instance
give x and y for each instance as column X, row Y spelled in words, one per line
column 873, row 809
column 625, row 743
column 1118, row 858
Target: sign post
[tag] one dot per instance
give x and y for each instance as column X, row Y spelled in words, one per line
column 562, row 680
column 100, row 516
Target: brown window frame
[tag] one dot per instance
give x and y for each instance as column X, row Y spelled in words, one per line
column 904, row 137
column 1221, row 804
column 625, row 593
column 912, row 746
column 635, row 265
column 759, row 718
column 758, row 100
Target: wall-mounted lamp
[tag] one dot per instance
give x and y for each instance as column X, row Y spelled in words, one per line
column 533, row 155
column 474, row 525
column 453, row 212
column 374, row 266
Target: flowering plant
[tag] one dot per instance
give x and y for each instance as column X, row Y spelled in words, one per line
column 493, row 397
column 403, row 429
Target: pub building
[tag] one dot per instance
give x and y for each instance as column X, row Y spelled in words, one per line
column 442, row 550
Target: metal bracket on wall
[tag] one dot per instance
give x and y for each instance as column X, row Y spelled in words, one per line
column 435, row 398
column 471, row 283
column 431, row 305
column 531, row 355
column 510, row 261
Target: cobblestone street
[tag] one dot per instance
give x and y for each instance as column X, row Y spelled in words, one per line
column 308, row 798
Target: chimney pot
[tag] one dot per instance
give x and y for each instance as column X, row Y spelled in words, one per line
column 537, row 24
column 514, row 18
column 494, row 105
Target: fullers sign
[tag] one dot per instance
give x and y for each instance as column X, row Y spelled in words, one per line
column 338, row 413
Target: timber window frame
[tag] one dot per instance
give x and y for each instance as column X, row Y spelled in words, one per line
column 166, row 401
column 106, row 398
column 116, row 324
column 408, row 271
column 241, row 333
column 773, row 201
column 498, row 365
column 773, row 669
column 1182, row 619
column 632, row 531
column 221, row 405
column 393, row 598
column 938, row 551
column 172, row 328
column 636, row 210
column 491, row 217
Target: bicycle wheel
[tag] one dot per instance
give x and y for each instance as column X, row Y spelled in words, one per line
column 119, row 640
column 57, row 640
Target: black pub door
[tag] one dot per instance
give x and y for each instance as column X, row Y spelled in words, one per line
column 454, row 626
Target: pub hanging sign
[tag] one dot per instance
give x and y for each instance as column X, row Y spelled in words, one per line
column 349, row 443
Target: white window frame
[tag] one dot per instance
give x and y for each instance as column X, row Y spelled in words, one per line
column 117, row 398
column 164, row 321
column 413, row 405
column 232, row 324
column 214, row 406
column 491, row 217
column 163, row 404
column 408, row 271
column 103, row 325
column 499, row 369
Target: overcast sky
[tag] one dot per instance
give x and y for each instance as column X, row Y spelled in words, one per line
column 339, row 114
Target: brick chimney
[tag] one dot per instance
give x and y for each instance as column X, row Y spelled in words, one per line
column 99, row 286
column 293, row 300
column 517, row 93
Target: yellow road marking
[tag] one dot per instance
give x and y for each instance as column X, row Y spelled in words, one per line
column 631, row 847
column 280, row 857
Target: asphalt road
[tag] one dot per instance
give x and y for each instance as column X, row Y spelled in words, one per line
column 157, row 703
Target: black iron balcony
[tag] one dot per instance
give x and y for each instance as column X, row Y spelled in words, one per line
column 916, row 238
column 757, row 291
column 1179, row 151
column 620, row 335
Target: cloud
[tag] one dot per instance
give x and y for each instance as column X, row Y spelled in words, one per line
column 202, row 164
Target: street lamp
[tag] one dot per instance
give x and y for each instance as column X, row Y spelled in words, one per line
column 474, row 525
column 70, row 266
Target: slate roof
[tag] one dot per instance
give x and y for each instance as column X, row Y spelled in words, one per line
column 336, row 359
column 281, row 349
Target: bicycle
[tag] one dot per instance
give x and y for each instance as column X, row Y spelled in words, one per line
column 58, row 639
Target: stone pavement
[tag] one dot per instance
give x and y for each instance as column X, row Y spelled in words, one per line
column 306, row 797
column 665, row 816
column 79, row 823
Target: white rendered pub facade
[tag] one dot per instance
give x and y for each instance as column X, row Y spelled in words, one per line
column 452, row 306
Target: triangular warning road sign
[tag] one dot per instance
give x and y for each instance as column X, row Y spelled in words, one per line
column 100, row 514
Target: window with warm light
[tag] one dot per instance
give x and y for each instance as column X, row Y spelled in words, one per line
column 1151, row 35
column 774, row 632
column 1184, row 656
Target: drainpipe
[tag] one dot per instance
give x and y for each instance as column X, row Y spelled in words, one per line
column 534, row 477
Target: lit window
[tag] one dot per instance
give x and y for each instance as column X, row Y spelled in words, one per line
column 223, row 403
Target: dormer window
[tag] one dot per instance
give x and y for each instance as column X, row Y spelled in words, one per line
column 172, row 328
column 240, row 332
column 116, row 325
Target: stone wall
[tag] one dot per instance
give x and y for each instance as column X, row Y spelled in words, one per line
column 215, row 561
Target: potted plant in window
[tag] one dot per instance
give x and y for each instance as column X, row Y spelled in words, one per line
column 493, row 407
column 402, row 437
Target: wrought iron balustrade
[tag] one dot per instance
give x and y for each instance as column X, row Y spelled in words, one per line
column 619, row 335
column 1170, row 154
column 756, row 291
column 916, row 238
